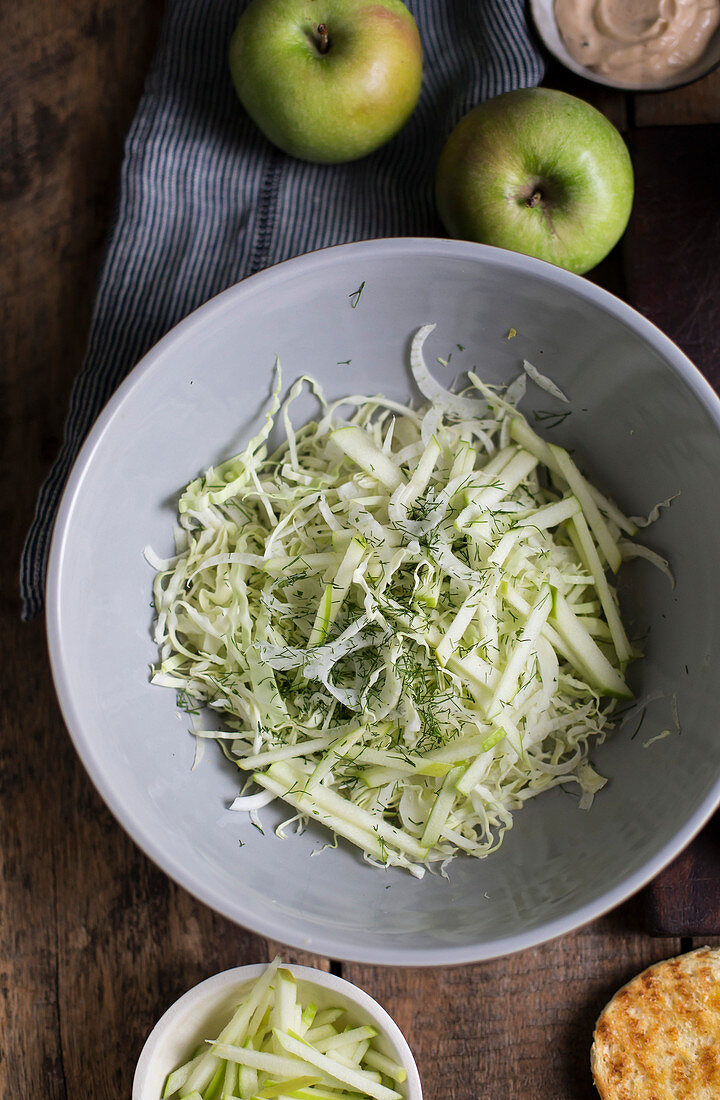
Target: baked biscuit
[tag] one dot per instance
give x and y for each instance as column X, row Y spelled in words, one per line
column 659, row 1036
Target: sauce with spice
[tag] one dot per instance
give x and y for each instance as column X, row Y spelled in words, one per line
column 637, row 42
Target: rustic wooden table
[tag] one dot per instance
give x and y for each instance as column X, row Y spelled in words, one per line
column 95, row 942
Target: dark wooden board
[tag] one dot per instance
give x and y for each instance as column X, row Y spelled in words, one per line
column 684, row 899
column 520, row 1027
column 95, row 942
column 672, row 246
column 672, row 252
column 691, row 106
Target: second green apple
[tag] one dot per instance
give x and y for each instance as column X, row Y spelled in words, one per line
column 327, row 80
column 540, row 172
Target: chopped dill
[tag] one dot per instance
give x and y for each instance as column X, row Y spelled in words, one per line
column 187, row 703
column 356, row 295
column 551, row 419
column 639, row 725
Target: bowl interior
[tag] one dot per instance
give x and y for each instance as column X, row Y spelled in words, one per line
column 645, row 427
column 544, row 18
column 202, row 1012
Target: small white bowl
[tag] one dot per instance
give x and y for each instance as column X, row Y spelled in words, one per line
column 202, row 1011
column 543, row 13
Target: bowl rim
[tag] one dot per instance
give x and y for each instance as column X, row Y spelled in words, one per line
column 334, row 944
column 239, row 975
column 544, row 8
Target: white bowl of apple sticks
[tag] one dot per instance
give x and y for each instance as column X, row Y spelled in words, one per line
column 276, row 1032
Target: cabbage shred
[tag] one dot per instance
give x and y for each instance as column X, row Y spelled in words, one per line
column 403, row 617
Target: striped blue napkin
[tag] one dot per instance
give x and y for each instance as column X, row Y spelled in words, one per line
column 205, row 200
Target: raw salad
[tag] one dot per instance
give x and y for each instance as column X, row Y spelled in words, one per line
column 404, row 617
column 277, row 1044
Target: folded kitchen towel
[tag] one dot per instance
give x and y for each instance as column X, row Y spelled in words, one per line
column 205, row 200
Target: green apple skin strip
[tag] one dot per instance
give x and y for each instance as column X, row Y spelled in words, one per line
column 264, row 1058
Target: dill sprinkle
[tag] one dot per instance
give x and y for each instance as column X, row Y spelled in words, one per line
column 398, row 616
column 356, row 295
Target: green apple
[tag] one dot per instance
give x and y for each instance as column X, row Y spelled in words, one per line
column 327, row 80
column 540, row 172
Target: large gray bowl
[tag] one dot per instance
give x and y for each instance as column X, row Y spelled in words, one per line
column 646, row 425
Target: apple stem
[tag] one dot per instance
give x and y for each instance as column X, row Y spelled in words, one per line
column 535, row 198
column 323, row 42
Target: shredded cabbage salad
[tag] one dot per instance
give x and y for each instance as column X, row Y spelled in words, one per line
column 405, row 617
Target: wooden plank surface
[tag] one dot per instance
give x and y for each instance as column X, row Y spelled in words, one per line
column 697, row 104
column 684, row 899
column 515, row 1028
column 673, row 243
column 673, row 278
column 95, row 942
